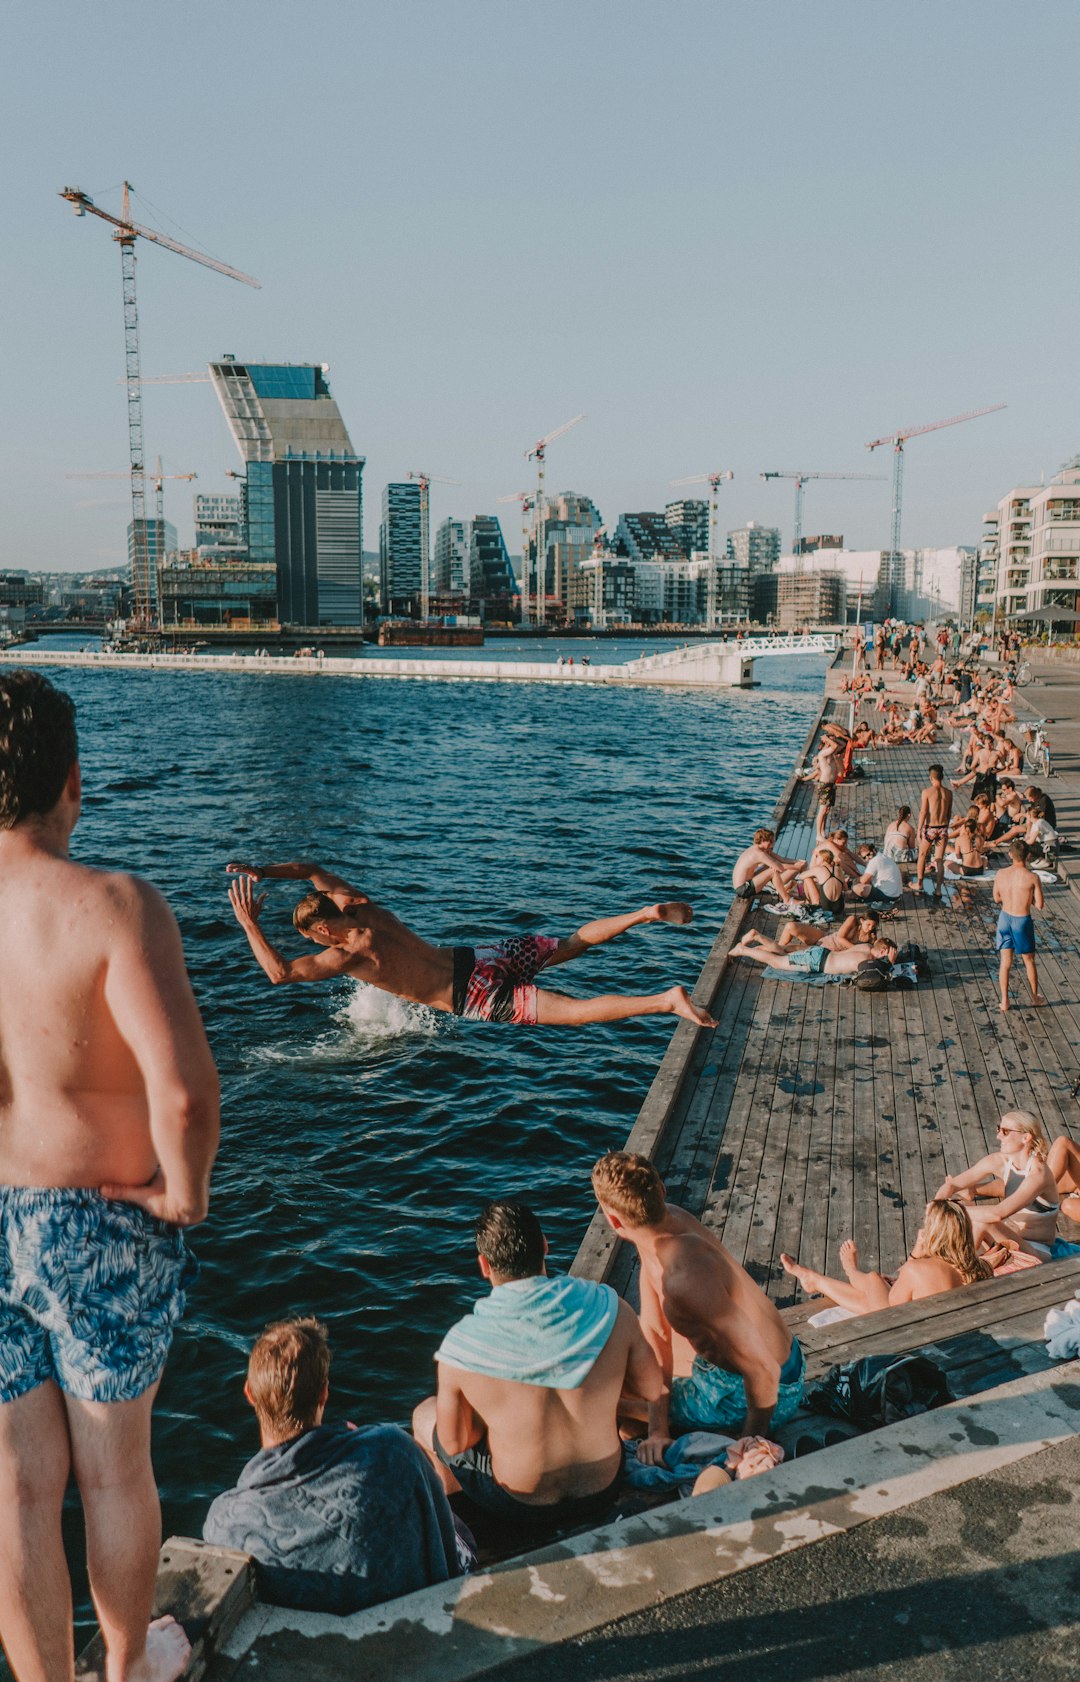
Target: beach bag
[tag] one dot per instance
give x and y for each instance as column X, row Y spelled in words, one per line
column 911, row 953
column 904, row 977
column 873, row 975
column 880, row 1389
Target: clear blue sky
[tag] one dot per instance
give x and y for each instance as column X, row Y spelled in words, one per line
column 738, row 235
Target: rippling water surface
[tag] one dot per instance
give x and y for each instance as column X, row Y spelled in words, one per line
column 361, row 1134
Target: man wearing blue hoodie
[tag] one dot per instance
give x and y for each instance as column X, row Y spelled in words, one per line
column 524, row 1419
column 335, row 1518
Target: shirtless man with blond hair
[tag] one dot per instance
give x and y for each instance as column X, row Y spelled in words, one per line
column 108, row 1130
column 729, row 1362
column 494, row 983
column 525, row 1418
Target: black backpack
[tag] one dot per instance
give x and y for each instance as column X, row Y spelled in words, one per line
column 874, row 975
column 880, row 1389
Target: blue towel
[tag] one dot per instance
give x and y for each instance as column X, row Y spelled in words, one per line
column 684, row 1460
column 1060, row 1250
column 535, row 1331
column 338, row 1519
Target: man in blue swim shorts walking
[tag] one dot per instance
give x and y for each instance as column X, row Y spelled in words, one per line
column 1016, row 890
column 108, row 1131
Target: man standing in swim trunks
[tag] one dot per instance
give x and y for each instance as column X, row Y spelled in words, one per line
column 728, row 1360
column 488, row 983
column 1016, row 890
column 108, row 1130
column 826, row 772
column 935, row 810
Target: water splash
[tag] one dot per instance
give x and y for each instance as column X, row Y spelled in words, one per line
column 372, row 1015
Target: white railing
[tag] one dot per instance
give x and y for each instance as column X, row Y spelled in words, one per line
column 750, row 648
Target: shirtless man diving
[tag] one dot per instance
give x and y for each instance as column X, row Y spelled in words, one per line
column 108, row 1130
column 729, row 1363
column 490, row 983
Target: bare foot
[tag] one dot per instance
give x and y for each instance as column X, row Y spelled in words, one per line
column 1004, row 1004
column 1038, row 999
column 682, row 1005
column 803, row 1274
column 673, row 911
column 739, row 950
column 751, row 937
column 849, row 1256
column 166, row 1657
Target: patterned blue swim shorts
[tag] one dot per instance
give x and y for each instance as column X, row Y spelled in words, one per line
column 89, row 1293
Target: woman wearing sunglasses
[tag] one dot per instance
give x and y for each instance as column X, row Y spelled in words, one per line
column 1018, row 1177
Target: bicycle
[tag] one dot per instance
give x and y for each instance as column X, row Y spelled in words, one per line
column 1036, row 750
column 1023, row 674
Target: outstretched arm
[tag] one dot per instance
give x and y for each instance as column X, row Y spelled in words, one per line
column 297, row 870
column 320, row 966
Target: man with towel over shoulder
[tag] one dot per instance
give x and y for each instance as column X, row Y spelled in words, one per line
column 524, row 1420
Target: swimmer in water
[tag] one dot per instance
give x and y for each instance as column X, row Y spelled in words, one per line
column 495, row 983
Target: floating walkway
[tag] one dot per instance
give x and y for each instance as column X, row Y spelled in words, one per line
column 707, row 665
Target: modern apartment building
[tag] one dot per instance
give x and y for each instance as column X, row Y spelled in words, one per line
column 493, row 581
column 646, row 537
column 303, row 492
column 399, row 549
column 1034, row 538
column 219, row 522
column 451, row 573
column 689, row 523
column 757, row 548
column 571, row 522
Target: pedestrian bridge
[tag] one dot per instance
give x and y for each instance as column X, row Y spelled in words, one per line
column 728, row 664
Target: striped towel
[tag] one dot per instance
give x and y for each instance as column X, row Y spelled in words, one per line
column 535, row 1331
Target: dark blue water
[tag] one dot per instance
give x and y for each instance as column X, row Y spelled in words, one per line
column 361, row 1134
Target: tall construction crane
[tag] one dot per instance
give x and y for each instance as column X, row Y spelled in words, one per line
column 713, row 480
column 424, row 480
column 125, row 233
column 898, row 440
column 538, row 454
column 528, row 502
column 800, row 481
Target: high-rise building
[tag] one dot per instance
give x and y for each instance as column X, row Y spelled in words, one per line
column 1038, row 545
column 492, row 576
column 757, row 548
column 689, row 522
column 160, row 539
column 571, row 522
column 219, row 522
column 646, row 537
column 450, row 568
column 303, row 494
column 399, row 548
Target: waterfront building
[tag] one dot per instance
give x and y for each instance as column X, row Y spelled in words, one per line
column 219, row 522
column 399, row 549
column 1037, row 545
column 160, row 538
column 810, row 598
column 667, row 592
column 492, row 578
column 987, row 567
column 618, row 584
column 571, row 524
column 757, row 548
column 688, row 520
column 969, row 574
column 303, row 490
column 196, row 589
column 451, row 567
column 646, row 537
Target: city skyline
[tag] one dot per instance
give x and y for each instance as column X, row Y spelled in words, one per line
column 474, row 282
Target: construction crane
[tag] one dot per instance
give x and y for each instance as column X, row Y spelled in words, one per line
column 424, row 480
column 713, row 480
column 898, row 440
column 538, row 454
column 158, row 482
column 800, row 480
column 528, row 503
column 171, row 379
column 125, row 233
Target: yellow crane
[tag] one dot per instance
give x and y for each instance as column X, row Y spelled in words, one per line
column 125, row 233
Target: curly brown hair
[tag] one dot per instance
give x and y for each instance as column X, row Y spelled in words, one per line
column 38, row 745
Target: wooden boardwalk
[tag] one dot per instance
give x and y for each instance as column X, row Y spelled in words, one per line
column 816, row 1113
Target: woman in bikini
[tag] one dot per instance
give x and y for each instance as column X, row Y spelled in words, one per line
column 900, row 839
column 823, row 885
column 855, row 930
column 1018, row 1176
column 967, row 855
column 942, row 1259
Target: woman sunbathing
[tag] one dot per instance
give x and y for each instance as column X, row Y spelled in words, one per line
column 942, row 1259
column 855, row 930
column 1019, row 1177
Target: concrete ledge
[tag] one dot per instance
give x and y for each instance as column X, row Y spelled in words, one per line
column 463, row 1629
column 206, row 1589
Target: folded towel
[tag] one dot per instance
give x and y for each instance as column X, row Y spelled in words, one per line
column 1062, row 1331
column 535, row 1331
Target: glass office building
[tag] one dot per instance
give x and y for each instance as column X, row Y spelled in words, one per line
column 160, row 540
column 303, row 497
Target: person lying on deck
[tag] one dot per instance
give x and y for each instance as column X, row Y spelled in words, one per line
column 812, row 960
column 943, row 1258
column 524, row 1419
column 728, row 1360
column 337, row 1518
column 494, row 983
column 858, row 929
column 1018, row 1176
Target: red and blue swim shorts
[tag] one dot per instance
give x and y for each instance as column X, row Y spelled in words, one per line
column 497, row 983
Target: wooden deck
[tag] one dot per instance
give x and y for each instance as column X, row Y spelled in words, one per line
column 815, row 1113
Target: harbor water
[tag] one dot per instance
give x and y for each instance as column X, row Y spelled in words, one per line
column 361, row 1134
